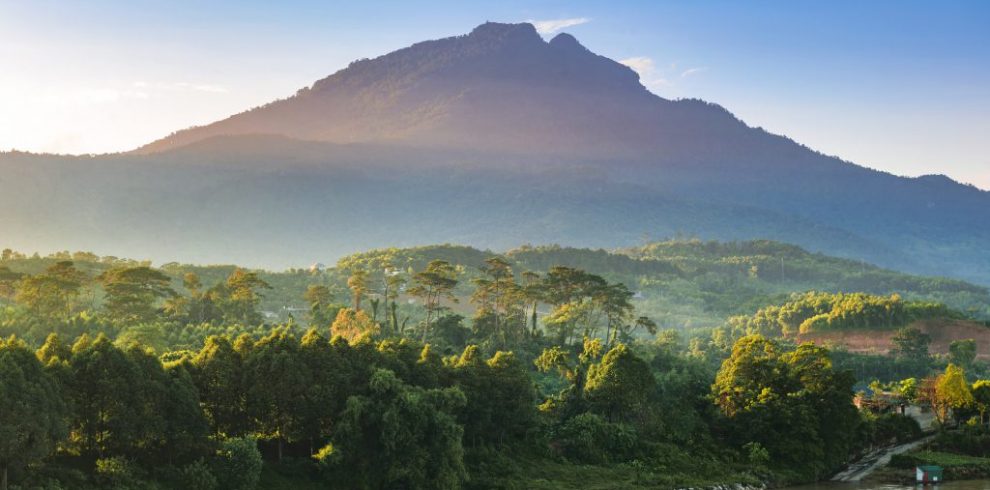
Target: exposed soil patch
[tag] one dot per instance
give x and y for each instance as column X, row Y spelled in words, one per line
column 943, row 332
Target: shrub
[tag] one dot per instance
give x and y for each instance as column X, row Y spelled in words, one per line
column 588, row 438
column 197, row 476
column 894, row 427
column 118, row 473
column 238, row 463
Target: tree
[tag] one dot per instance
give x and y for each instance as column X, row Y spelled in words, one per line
column 276, row 380
column 499, row 394
column 51, row 294
column 8, row 281
column 576, row 297
column 981, row 398
column 952, row 392
column 133, row 291
column 962, row 353
column 217, row 371
column 571, row 400
column 432, row 285
column 238, row 464
column 532, row 292
column 912, row 344
column 186, row 430
column 321, row 308
column 613, row 300
column 32, row 412
column 791, row 403
column 352, row 325
column 618, row 387
column 358, row 283
column 945, row 392
column 239, row 296
column 394, row 281
column 493, row 292
column 104, row 390
column 53, row 350
column 398, row 436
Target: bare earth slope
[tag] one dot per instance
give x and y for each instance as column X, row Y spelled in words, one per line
column 942, row 332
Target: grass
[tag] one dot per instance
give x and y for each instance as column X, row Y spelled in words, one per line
column 948, row 460
column 542, row 472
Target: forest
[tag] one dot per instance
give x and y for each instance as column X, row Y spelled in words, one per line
column 450, row 367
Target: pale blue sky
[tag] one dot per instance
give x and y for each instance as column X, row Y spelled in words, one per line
column 900, row 86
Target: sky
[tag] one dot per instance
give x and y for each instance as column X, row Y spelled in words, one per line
column 900, row 86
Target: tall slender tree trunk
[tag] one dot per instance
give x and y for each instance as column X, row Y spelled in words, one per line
column 395, row 320
column 3, row 479
column 534, row 319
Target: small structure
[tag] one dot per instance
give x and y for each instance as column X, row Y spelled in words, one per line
column 928, row 474
column 881, row 402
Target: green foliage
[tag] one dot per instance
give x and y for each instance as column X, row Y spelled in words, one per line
column 52, row 294
column 414, row 440
column 32, row 410
column 911, row 344
column 131, row 292
column 237, row 464
column 756, row 454
column 618, row 387
column 792, row 403
column 118, row 473
column 589, row 438
column 962, row 352
column 197, row 476
column 185, row 383
column 952, row 388
column 821, row 312
column 893, row 428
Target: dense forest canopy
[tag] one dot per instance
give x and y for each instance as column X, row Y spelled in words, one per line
column 447, row 366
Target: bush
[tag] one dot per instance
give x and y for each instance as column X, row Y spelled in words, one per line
column 119, row 474
column 197, row 476
column 588, row 438
column 969, row 442
column 238, row 464
column 895, row 428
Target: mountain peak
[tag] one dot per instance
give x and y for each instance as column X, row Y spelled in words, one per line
column 497, row 31
column 566, row 41
column 499, row 86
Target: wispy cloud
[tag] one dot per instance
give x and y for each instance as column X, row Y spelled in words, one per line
column 551, row 26
column 693, row 71
column 657, row 77
column 647, row 70
column 640, row 64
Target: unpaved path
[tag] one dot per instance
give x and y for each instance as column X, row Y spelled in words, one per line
column 862, row 468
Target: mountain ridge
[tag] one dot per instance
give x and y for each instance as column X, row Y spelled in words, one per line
column 494, row 137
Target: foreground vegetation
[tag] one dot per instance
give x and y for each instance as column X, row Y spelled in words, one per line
column 120, row 375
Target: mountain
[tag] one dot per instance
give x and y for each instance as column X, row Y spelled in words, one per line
column 490, row 139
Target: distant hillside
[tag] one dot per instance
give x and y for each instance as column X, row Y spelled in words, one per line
column 490, row 139
column 690, row 283
column 680, row 284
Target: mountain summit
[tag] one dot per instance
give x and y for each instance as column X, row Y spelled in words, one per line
column 501, row 87
column 494, row 138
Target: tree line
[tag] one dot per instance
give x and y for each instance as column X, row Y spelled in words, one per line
column 556, row 366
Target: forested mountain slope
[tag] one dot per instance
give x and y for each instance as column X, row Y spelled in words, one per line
column 490, row 139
